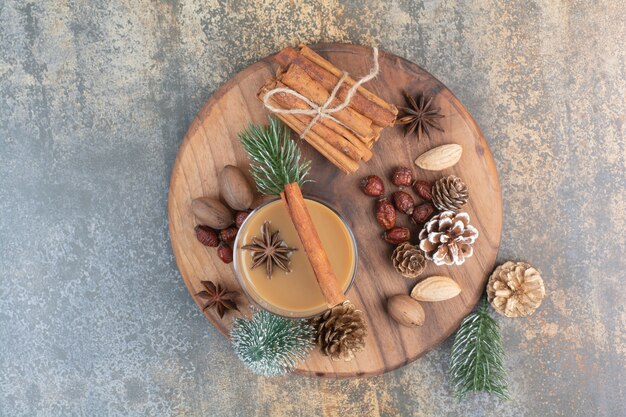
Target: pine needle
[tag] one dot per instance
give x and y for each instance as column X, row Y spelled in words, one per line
column 275, row 157
column 477, row 362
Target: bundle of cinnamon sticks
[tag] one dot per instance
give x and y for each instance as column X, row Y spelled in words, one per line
column 344, row 142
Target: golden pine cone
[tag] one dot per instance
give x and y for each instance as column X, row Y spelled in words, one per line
column 447, row 238
column 408, row 260
column 340, row 331
column 449, row 193
column 515, row 289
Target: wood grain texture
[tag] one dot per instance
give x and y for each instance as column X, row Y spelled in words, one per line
column 211, row 143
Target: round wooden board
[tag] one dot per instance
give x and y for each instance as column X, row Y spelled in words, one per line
column 211, row 143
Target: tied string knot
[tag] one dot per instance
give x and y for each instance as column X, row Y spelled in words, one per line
column 322, row 111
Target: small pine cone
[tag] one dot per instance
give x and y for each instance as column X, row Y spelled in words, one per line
column 515, row 289
column 450, row 193
column 340, row 331
column 448, row 238
column 408, row 260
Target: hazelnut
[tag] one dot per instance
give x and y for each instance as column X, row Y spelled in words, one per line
column 211, row 212
column 406, row 311
column 235, row 189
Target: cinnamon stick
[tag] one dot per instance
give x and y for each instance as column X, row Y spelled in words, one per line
column 350, row 134
column 298, row 80
column 336, row 157
column 380, row 115
column 292, row 122
column 340, row 137
column 296, row 207
column 377, row 129
column 318, row 60
column 336, row 141
column 294, row 102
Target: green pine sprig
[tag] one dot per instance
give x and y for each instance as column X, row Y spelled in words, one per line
column 270, row 345
column 275, row 157
column 477, row 362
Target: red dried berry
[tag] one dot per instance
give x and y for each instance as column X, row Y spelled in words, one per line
column 422, row 213
column 373, row 186
column 423, row 190
column 229, row 234
column 403, row 202
column 397, row 235
column 207, row 236
column 402, row 177
column 385, row 213
column 225, row 253
column 240, row 216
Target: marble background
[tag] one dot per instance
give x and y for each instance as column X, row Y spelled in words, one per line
column 95, row 97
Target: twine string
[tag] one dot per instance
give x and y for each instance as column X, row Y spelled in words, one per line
column 324, row 110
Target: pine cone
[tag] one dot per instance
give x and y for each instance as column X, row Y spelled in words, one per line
column 408, row 260
column 515, row 289
column 340, row 331
column 448, row 237
column 449, row 193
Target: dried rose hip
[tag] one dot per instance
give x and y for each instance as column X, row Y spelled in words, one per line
column 403, row 202
column 423, row 189
column 397, row 235
column 385, row 213
column 240, row 216
column 207, row 236
column 422, row 213
column 373, row 186
column 402, row 177
column 225, row 253
column 229, row 234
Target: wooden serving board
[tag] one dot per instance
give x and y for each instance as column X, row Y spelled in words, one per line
column 211, row 143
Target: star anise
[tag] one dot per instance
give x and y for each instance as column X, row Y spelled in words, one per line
column 219, row 298
column 271, row 250
column 420, row 118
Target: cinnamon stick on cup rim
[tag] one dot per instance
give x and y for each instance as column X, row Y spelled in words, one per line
column 296, row 207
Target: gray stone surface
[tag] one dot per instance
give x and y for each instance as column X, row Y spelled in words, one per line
column 95, row 97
